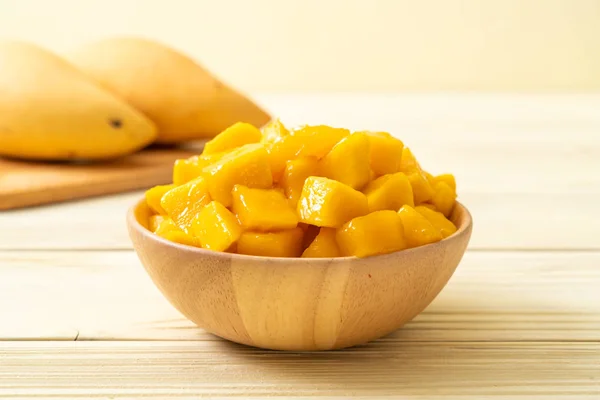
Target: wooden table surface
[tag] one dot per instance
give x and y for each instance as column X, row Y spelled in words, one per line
column 79, row 317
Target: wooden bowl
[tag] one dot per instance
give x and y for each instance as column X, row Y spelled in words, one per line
column 297, row 303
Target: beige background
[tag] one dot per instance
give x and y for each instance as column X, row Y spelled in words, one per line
column 345, row 45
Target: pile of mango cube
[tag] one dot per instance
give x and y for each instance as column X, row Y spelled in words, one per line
column 316, row 191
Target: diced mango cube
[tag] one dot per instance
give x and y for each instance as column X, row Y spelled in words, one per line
column 380, row 232
column 154, row 195
column 247, row 165
column 448, row 179
column 167, row 229
column 408, row 162
column 329, row 203
column 154, row 221
column 184, row 202
column 274, row 131
column 263, row 209
column 318, row 140
column 389, row 192
column 349, row 161
column 308, row 141
column 422, row 190
column 443, row 198
column 438, row 220
column 215, row 227
column 417, row 229
column 294, row 175
column 310, row 233
column 430, row 178
column 385, row 153
column 184, row 170
column 236, row 135
column 286, row 243
column 427, row 205
column 323, row 246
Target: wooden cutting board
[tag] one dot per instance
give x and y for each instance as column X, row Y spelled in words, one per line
column 24, row 184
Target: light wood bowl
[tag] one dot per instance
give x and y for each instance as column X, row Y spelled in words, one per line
column 296, row 303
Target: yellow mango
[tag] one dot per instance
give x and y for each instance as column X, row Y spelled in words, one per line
column 422, row 190
column 286, row 243
column 215, row 227
column 310, row 233
column 263, row 209
column 184, row 170
column 308, row 141
column 184, row 202
column 247, row 165
column 329, row 203
column 154, row 221
column 349, row 161
column 236, row 135
column 274, row 131
column 154, row 195
column 385, row 153
column 443, row 198
column 408, row 162
column 389, row 192
column 427, row 205
column 430, row 178
column 448, row 179
column 167, row 229
column 294, row 175
column 418, row 230
column 323, row 246
column 438, row 220
column 379, row 232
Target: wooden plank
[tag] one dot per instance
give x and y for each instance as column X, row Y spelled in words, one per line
column 494, row 296
column 502, row 221
column 223, row 370
column 523, row 163
column 24, row 184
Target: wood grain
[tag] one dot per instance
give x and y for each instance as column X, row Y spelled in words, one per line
column 224, row 370
column 509, row 324
column 493, row 296
column 24, row 184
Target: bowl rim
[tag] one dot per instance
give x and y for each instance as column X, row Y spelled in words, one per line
column 133, row 223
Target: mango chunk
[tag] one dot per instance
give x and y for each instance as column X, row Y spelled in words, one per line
column 349, row 161
column 184, row 202
column 385, row 153
column 417, row 229
column 389, row 192
column 380, row 232
column 274, row 131
column 308, row 141
column 323, row 246
column 154, row 221
column 247, row 165
column 167, row 229
column 215, row 227
column 443, row 198
column 329, row 203
column 427, row 205
column 448, row 179
column 294, row 175
column 286, row 243
column 408, row 161
column 438, row 220
column 236, row 135
column 263, row 209
column 184, row 170
column 154, row 195
column 422, row 190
